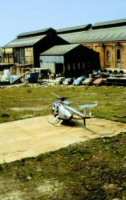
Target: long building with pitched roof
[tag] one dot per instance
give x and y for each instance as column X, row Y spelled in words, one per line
column 107, row 38
column 23, row 52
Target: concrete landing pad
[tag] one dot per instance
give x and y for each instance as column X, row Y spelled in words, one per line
column 33, row 136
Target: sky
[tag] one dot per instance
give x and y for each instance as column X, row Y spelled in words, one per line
column 18, row 16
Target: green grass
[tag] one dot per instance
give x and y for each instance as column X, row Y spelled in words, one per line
column 92, row 170
column 111, row 100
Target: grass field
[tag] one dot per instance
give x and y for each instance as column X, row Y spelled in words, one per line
column 92, row 170
column 19, row 103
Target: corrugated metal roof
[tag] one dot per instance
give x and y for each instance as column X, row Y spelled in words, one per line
column 28, row 41
column 41, row 31
column 97, row 35
column 60, row 49
column 74, row 29
column 112, row 22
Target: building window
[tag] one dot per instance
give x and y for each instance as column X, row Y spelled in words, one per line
column 118, row 57
column 8, row 57
column 79, row 66
column 19, row 55
column 108, row 57
column 68, row 67
column 83, row 65
column 74, row 66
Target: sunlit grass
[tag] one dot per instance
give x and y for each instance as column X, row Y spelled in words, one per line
column 111, row 101
column 91, row 170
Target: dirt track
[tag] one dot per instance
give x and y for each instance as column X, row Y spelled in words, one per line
column 30, row 137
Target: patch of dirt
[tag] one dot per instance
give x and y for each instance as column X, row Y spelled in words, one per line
column 14, row 195
column 49, row 187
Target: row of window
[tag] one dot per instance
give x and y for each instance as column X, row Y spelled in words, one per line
column 19, row 59
column 118, row 56
column 74, row 66
column 20, row 55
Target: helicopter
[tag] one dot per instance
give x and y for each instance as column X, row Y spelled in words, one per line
column 64, row 112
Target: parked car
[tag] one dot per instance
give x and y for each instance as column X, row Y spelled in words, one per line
column 87, row 81
column 33, row 77
column 78, row 81
column 99, row 81
column 59, row 80
column 68, row 81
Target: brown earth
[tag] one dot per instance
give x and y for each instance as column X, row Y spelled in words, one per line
column 33, row 136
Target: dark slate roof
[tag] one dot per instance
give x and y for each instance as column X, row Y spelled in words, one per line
column 97, row 35
column 112, row 23
column 27, row 41
column 59, row 49
column 74, row 29
column 37, row 32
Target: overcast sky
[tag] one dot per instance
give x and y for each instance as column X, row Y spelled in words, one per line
column 17, row 16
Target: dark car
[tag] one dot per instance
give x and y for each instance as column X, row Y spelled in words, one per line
column 33, row 77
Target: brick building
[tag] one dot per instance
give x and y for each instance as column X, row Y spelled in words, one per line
column 107, row 38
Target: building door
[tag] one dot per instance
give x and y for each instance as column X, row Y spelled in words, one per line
column 59, row 68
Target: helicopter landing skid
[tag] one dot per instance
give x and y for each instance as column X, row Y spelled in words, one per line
column 56, row 123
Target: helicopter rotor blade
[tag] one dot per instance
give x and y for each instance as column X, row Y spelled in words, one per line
column 56, row 95
column 24, row 100
column 62, row 98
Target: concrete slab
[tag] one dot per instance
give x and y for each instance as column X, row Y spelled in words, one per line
column 33, row 136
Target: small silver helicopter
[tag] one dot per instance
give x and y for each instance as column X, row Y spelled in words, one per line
column 62, row 111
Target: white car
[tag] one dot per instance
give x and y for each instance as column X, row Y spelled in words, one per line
column 59, row 80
